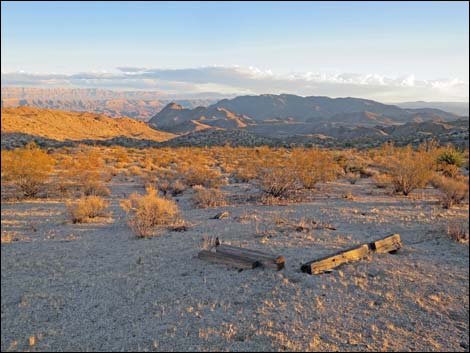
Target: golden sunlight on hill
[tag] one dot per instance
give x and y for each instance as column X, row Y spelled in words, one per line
column 60, row 125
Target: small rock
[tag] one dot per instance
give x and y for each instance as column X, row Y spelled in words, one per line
column 221, row 215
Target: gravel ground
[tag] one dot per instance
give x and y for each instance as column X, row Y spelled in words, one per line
column 94, row 287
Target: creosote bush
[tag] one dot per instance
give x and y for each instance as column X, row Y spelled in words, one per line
column 313, row 166
column 204, row 197
column 27, row 168
column 88, row 171
column 87, row 208
column 382, row 181
column 408, row 169
column 454, row 191
column 145, row 212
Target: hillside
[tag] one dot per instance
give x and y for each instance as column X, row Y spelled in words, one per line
column 174, row 118
column 61, row 126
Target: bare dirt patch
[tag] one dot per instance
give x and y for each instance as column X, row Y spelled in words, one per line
column 96, row 287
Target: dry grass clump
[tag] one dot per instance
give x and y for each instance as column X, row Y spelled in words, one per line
column 458, row 231
column 454, row 191
column 87, row 208
column 145, row 212
column 27, row 168
column 207, row 197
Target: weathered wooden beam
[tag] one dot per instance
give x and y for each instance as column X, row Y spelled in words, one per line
column 331, row 261
column 267, row 260
column 234, row 261
column 390, row 243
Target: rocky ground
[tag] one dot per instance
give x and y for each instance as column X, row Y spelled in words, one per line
column 96, row 287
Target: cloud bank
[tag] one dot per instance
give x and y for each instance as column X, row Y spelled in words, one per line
column 249, row 80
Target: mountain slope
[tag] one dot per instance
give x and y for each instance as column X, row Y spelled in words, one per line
column 60, row 126
column 175, row 118
column 269, row 106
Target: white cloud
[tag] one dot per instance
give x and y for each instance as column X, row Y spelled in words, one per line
column 251, row 80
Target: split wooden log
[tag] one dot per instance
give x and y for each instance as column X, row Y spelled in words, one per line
column 266, row 260
column 234, row 261
column 331, row 261
column 390, row 243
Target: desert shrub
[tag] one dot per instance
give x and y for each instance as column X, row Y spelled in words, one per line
column 278, row 180
column 177, row 187
column 382, row 180
column 88, row 171
column 145, row 212
column 458, row 231
column 246, row 171
column 451, row 157
column 454, row 191
column 202, row 175
column 353, row 177
column 449, row 170
column 173, row 188
column 120, row 154
column 135, row 170
column 409, row 169
column 204, row 197
column 313, row 166
column 449, row 162
column 27, row 168
column 86, row 208
column 352, row 162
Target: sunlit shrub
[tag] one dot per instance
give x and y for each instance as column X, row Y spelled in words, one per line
column 145, row 212
column 27, row 168
column 87, row 208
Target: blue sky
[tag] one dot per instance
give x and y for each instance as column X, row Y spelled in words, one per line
column 404, row 43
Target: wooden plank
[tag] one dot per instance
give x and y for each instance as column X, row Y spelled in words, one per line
column 267, row 260
column 234, row 261
column 331, row 261
column 390, row 243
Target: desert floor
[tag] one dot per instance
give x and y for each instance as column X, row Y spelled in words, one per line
column 96, row 287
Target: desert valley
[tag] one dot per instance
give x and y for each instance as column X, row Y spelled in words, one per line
column 234, row 176
column 82, row 251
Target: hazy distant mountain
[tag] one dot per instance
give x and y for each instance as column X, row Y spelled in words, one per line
column 139, row 105
column 459, row 108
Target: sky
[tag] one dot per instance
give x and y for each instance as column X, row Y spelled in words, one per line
column 389, row 51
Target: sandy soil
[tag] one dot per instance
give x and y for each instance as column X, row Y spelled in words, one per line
column 96, row 287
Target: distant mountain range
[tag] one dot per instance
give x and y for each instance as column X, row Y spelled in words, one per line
column 290, row 114
column 254, row 120
column 140, row 105
column 459, row 108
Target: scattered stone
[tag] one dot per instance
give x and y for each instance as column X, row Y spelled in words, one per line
column 221, row 215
